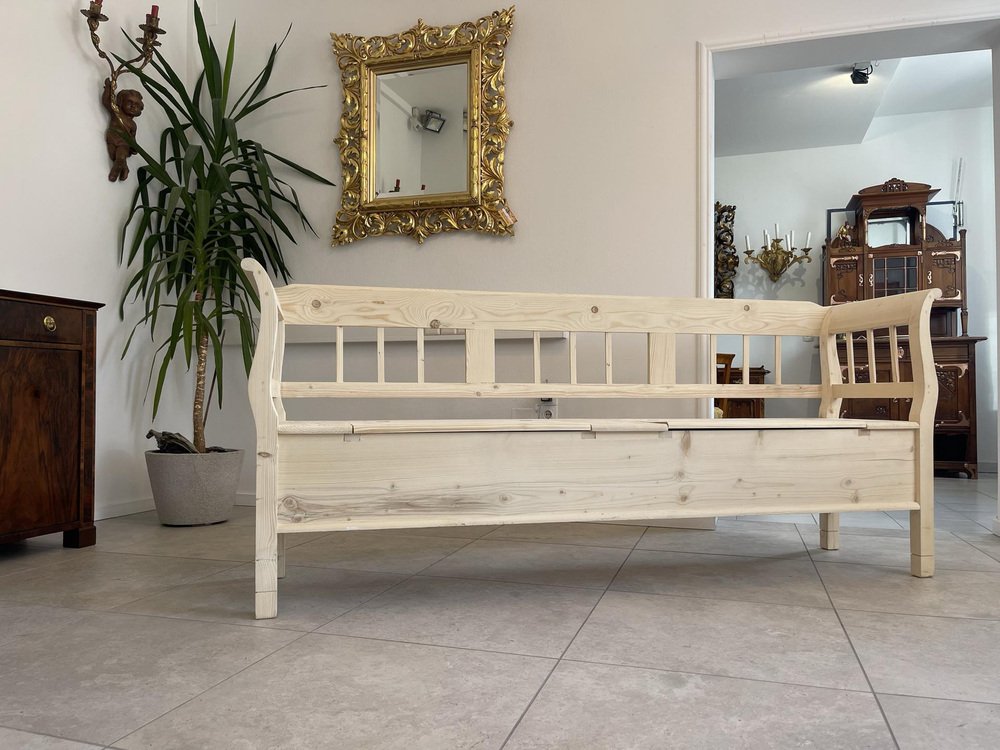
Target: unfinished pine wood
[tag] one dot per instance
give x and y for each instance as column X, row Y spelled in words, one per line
column 661, row 356
column 894, row 354
column 316, row 304
column 872, row 369
column 572, row 357
column 777, row 360
column 536, row 355
column 448, row 478
column 480, row 356
column 370, row 474
column 420, row 355
column 829, row 531
column 325, row 389
column 609, row 359
column 340, row 354
column 851, row 371
column 746, row 359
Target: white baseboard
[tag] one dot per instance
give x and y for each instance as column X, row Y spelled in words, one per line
column 986, row 467
column 123, row 508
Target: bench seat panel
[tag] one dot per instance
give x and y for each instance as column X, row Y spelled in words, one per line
column 413, row 479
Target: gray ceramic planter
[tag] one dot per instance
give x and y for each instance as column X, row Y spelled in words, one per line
column 193, row 489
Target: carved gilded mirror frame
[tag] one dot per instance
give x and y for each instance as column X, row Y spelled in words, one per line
column 482, row 206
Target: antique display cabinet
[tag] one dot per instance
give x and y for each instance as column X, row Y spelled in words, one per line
column 887, row 246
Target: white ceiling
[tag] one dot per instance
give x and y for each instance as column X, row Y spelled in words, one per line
column 808, row 107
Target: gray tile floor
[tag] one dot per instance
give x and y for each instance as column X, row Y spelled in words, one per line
column 569, row 636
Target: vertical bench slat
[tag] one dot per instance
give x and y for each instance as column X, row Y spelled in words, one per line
column 713, row 358
column 340, row 354
column 870, row 338
column 850, row 358
column 420, row 355
column 777, row 360
column 608, row 360
column 380, row 353
column 536, row 355
column 480, row 355
column 746, row 360
column 661, row 351
column 894, row 353
column 572, row 357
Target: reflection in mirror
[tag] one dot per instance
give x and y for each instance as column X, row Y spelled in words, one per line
column 889, row 231
column 421, row 139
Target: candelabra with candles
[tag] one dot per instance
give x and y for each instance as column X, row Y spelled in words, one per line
column 123, row 106
column 775, row 258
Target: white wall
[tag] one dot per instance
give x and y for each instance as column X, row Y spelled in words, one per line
column 794, row 188
column 584, row 78
column 61, row 216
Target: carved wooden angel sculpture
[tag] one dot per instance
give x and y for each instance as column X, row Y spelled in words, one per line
column 126, row 107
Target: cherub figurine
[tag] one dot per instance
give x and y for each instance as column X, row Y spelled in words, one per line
column 844, row 235
column 129, row 102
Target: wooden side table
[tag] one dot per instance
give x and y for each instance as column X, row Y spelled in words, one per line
column 47, row 375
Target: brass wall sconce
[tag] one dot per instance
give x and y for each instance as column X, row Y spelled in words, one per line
column 774, row 258
column 123, row 106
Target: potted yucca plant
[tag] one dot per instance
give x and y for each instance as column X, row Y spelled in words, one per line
column 207, row 199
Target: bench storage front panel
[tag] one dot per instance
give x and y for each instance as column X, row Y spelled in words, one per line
column 398, row 479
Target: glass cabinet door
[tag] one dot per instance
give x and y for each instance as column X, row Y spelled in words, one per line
column 894, row 273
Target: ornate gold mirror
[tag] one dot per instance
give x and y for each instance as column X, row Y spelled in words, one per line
column 423, row 130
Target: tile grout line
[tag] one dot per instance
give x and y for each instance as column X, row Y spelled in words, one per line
column 854, row 650
column 394, row 586
column 569, row 644
column 211, row 687
column 55, row 736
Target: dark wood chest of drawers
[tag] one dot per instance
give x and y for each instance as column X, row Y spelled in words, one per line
column 47, row 417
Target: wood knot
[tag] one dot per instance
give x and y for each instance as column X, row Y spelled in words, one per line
column 595, row 309
column 316, row 303
column 435, row 323
column 746, row 308
column 263, row 454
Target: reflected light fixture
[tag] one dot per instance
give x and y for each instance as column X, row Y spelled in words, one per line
column 432, row 121
column 861, row 72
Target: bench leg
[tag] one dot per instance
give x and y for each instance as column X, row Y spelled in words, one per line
column 922, row 542
column 281, row 555
column 829, row 531
column 266, row 566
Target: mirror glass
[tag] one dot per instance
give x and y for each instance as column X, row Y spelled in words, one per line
column 892, row 231
column 421, row 139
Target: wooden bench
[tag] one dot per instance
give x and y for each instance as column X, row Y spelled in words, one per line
column 377, row 474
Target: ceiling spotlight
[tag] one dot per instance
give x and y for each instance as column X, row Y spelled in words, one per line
column 861, row 72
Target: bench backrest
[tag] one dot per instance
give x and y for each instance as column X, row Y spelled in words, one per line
column 661, row 320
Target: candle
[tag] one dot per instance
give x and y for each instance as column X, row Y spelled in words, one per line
column 776, row 232
column 791, row 239
column 767, row 239
column 788, row 243
column 749, row 249
column 809, row 236
column 155, row 11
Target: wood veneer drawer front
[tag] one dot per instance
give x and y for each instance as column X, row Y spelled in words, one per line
column 40, row 322
column 40, row 434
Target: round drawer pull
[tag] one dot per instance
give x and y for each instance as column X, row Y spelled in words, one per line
column 49, row 322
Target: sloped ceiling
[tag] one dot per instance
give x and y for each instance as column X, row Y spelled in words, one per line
column 820, row 106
